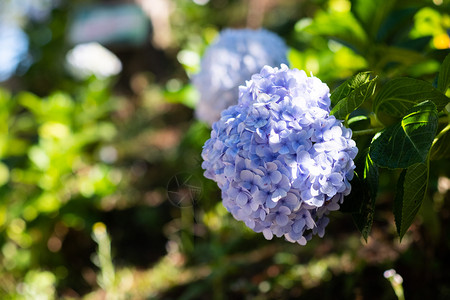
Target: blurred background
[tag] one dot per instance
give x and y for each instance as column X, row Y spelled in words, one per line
column 101, row 188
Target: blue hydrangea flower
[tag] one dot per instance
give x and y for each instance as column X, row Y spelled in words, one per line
column 230, row 61
column 282, row 162
column 13, row 49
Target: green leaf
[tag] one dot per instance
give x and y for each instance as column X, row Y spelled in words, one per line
column 187, row 95
column 401, row 57
column 340, row 26
column 359, row 122
column 395, row 26
column 364, row 219
column 441, row 145
column 400, row 94
column 411, row 189
column 353, row 202
column 348, row 86
column 31, row 102
column 371, row 176
column 407, row 142
column 351, row 94
column 371, row 13
column 5, row 97
column 361, row 201
column 444, row 75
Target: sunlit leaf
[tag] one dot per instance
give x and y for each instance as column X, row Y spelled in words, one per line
column 407, row 142
column 5, row 97
column 411, row 189
column 5, row 119
column 398, row 95
column 4, row 174
column 348, row 86
column 186, row 95
column 342, row 27
column 444, row 75
column 30, row 101
column 351, row 94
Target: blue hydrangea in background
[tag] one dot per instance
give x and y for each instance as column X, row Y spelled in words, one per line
column 282, row 162
column 232, row 59
column 13, row 49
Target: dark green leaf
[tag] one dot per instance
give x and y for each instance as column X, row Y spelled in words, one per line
column 411, row 189
column 444, row 75
column 361, row 201
column 354, row 201
column 417, row 44
column 400, row 94
column 364, row 219
column 370, row 13
column 401, row 57
column 351, row 94
column 371, row 176
column 359, row 122
column 396, row 26
column 407, row 142
column 441, row 145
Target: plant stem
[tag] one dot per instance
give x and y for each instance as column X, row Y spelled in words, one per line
column 366, row 131
column 441, row 133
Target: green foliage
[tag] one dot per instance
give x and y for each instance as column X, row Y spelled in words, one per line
column 361, row 202
column 359, row 122
column 400, row 94
column 340, row 26
column 407, row 142
column 351, row 94
column 371, row 14
column 47, row 162
column 404, row 144
column 441, row 145
column 444, row 75
column 364, row 219
column 411, row 190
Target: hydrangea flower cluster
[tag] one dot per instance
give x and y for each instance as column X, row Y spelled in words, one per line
column 282, row 162
column 13, row 49
column 232, row 59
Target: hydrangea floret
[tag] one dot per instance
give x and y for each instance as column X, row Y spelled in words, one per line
column 282, row 162
column 231, row 60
